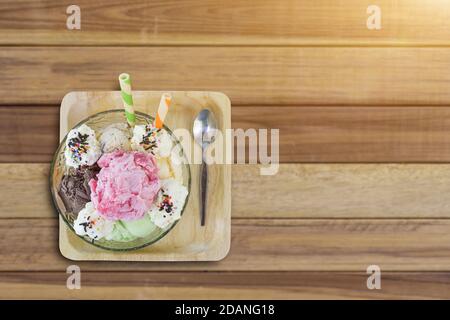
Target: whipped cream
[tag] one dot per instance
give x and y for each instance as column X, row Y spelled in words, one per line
column 151, row 139
column 89, row 222
column 169, row 203
column 82, row 147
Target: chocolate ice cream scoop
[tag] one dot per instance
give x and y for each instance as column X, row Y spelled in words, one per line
column 74, row 188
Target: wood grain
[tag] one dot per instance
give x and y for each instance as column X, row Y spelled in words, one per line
column 307, row 134
column 28, row 134
column 214, row 22
column 248, row 75
column 220, row 285
column 376, row 96
column 342, row 191
column 354, row 133
column 297, row 191
column 262, row 245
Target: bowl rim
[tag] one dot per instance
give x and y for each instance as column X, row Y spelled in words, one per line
column 92, row 241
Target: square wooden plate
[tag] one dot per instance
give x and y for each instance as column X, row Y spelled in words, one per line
column 187, row 241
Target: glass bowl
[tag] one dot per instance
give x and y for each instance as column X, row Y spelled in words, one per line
column 58, row 169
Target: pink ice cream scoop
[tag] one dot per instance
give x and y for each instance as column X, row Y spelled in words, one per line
column 126, row 185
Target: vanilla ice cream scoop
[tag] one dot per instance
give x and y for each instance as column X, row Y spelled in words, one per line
column 82, row 147
column 116, row 136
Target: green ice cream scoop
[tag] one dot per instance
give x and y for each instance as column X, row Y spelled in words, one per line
column 120, row 233
column 140, row 228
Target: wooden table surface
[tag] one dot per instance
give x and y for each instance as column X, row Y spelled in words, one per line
column 364, row 119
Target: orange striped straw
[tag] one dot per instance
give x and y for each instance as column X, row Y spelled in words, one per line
column 163, row 108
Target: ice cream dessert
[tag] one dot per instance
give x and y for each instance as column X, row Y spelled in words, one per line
column 89, row 222
column 169, row 203
column 115, row 137
column 126, row 185
column 130, row 230
column 122, row 183
column 82, row 147
column 151, row 139
column 74, row 189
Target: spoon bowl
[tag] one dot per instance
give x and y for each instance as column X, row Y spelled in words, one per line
column 204, row 128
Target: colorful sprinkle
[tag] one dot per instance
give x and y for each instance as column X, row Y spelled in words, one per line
column 167, row 203
column 149, row 139
column 78, row 146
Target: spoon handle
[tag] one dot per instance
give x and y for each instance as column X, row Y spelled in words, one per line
column 203, row 188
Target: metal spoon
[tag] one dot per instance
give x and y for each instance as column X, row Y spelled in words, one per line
column 204, row 130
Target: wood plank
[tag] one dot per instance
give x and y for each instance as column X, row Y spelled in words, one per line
column 229, row 285
column 234, row 22
column 29, row 134
column 354, row 134
column 307, row 134
column 342, row 191
column 248, row 75
column 299, row 191
column 263, row 245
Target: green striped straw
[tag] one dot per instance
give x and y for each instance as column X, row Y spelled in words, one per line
column 127, row 98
